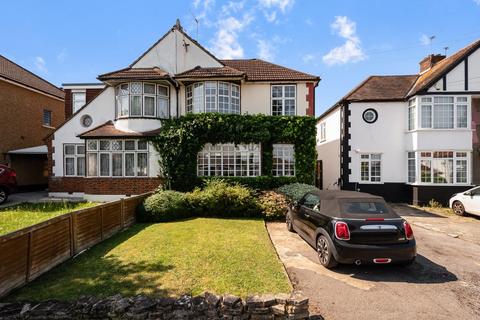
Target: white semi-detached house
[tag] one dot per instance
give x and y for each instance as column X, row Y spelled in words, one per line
column 409, row 138
column 101, row 151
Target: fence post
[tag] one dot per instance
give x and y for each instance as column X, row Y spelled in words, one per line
column 122, row 213
column 29, row 257
column 101, row 222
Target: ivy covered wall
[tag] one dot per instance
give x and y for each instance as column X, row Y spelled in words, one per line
column 180, row 140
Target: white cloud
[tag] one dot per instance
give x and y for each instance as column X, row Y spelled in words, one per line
column 41, row 64
column 226, row 44
column 62, row 55
column 202, row 9
column 309, row 57
column 351, row 50
column 232, row 7
column 477, row 2
column 270, row 8
column 309, row 21
column 426, row 40
column 265, row 50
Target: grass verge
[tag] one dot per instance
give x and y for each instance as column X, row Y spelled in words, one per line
column 168, row 259
column 27, row 214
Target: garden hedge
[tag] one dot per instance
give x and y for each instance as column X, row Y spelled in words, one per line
column 180, row 140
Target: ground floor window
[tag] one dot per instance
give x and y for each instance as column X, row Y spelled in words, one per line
column 412, row 167
column 117, row 158
column 370, row 167
column 443, row 167
column 74, row 159
column 283, row 160
column 241, row 160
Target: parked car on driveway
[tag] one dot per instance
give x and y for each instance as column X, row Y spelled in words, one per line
column 352, row 227
column 468, row 201
column 8, row 182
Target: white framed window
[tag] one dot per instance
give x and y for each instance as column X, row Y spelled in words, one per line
column 117, row 158
column 242, row 160
column 74, row 160
column 284, row 99
column 79, row 98
column 47, row 118
column 283, row 160
column 412, row 114
column 323, row 132
column 412, row 167
column 371, row 167
column 213, row 96
column 444, row 167
column 142, row 99
column 444, row 112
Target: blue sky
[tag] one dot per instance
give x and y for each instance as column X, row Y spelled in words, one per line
column 342, row 41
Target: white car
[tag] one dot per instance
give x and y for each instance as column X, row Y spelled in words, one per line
column 468, row 201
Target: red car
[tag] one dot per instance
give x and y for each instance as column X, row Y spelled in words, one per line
column 8, row 182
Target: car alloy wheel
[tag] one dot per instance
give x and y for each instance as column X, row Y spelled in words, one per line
column 322, row 250
column 3, row 196
column 458, row 208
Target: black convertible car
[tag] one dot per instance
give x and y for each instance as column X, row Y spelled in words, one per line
column 352, row 227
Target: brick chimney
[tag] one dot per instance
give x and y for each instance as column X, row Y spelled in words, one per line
column 429, row 61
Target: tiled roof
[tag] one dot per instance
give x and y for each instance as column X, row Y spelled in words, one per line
column 199, row 72
column 108, row 130
column 135, row 73
column 16, row 73
column 260, row 70
column 434, row 74
column 382, row 88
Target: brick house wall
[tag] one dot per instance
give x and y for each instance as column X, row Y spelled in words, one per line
column 103, row 186
column 22, row 115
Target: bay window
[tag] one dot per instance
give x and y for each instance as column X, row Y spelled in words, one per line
column 370, row 167
column 439, row 167
column 444, row 112
column 241, row 160
column 412, row 112
column 212, row 96
column 412, row 167
column 283, row 160
column 142, row 99
column 74, row 159
column 284, row 100
column 117, row 158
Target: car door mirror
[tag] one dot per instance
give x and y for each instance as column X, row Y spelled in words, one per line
column 467, row 194
column 295, row 205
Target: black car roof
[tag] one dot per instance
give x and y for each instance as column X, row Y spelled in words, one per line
column 343, row 194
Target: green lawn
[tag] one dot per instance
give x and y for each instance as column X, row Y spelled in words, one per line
column 27, row 214
column 192, row 256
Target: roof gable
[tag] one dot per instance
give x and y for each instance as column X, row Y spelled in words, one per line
column 13, row 72
column 382, row 88
column 176, row 52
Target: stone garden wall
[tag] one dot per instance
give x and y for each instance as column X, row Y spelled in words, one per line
column 207, row 306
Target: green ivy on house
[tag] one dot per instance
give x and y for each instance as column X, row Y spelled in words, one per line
column 180, row 140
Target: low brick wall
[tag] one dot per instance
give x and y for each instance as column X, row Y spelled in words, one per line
column 91, row 185
column 207, row 306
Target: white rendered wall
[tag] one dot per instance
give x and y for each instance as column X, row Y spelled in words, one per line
column 329, row 150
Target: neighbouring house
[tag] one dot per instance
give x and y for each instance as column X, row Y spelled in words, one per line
column 102, row 151
column 409, row 138
column 31, row 109
column 79, row 94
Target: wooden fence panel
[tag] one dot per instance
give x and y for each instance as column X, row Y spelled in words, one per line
column 87, row 228
column 111, row 218
column 49, row 246
column 27, row 253
column 13, row 262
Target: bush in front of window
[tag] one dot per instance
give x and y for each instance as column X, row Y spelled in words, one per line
column 165, row 205
column 296, row 191
column 181, row 139
column 256, row 183
column 274, row 205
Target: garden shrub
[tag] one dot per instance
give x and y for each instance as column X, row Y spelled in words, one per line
column 164, row 206
column 296, row 191
column 256, row 183
column 274, row 205
column 222, row 199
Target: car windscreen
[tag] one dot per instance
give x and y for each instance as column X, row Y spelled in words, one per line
column 364, row 207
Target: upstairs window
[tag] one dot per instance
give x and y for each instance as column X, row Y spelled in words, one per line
column 47, row 118
column 78, row 100
column 444, row 112
column 284, row 99
column 212, row 96
column 142, row 99
column 323, row 132
column 412, row 113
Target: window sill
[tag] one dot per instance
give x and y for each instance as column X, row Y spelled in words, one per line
column 437, row 130
column 369, row 182
column 48, row 127
column 423, row 184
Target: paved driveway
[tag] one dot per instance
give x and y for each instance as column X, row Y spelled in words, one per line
column 16, row 198
column 444, row 282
